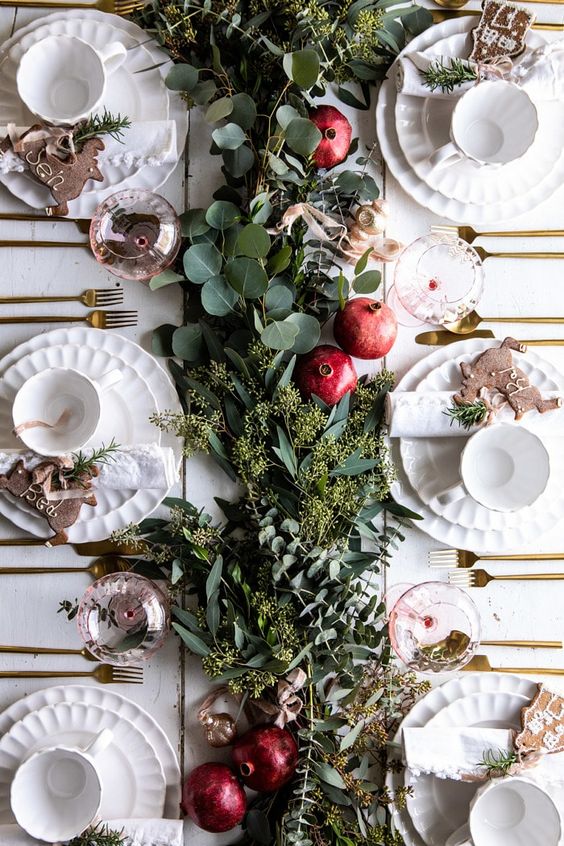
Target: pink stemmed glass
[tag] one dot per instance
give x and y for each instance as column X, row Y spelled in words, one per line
column 123, row 618
column 434, row 627
column 135, row 234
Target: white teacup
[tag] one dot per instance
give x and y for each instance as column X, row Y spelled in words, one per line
column 68, row 404
column 63, row 78
column 503, row 467
column 510, row 812
column 56, row 793
column 493, row 123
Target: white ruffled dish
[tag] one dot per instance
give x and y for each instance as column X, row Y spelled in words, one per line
column 431, row 464
column 108, row 700
column 447, row 207
column 423, row 125
column 427, row 708
column 120, row 507
column 139, row 94
column 452, row 534
column 133, row 783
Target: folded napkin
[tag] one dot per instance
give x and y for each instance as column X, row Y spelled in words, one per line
column 138, row 833
column 456, row 753
column 138, row 467
column 409, row 79
column 541, row 72
column 414, row 414
column 145, row 143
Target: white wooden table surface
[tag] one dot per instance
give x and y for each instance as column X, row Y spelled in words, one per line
column 174, row 685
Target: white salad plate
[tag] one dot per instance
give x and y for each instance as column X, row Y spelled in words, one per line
column 141, row 92
column 455, row 210
column 108, row 700
column 423, row 125
column 429, row 707
column 431, row 464
column 439, row 806
column 133, row 784
column 123, row 506
column 438, row 526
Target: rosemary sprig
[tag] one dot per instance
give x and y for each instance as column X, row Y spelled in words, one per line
column 469, row 414
column 105, row 124
column 497, row 763
column 85, row 463
column 447, row 77
column 100, row 835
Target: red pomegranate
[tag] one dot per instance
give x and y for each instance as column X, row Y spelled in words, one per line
column 336, row 130
column 365, row 328
column 327, row 372
column 266, row 757
column 214, row 798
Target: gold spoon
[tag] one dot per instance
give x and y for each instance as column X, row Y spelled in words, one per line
column 100, row 567
column 473, row 319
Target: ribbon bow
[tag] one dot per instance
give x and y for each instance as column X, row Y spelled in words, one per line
column 323, row 226
column 287, row 704
column 497, row 68
column 58, row 140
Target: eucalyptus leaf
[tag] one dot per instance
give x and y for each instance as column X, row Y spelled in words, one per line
column 253, row 241
column 167, row 277
column 285, row 114
column 309, row 332
column 161, row 341
column 280, row 260
column 181, row 78
column 257, row 826
column 277, row 297
column 302, row 67
column 260, row 208
column 187, row 342
column 247, row 277
column 367, row 282
column 218, row 297
column 193, row 223
column 219, row 109
column 329, row 774
column 203, row 92
column 302, row 136
column 194, row 643
column 202, row 261
column 222, row 214
column 244, row 111
column 279, row 335
column 214, row 578
column 240, row 161
column 229, row 137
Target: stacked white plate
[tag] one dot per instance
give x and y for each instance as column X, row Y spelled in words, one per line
column 425, row 466
column 439, row 806
column 144, row 389
column 139, row 770
column 136, row 90
column 411, row 128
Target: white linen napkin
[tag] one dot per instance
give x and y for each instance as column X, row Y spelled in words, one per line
column 410, row 81
column 150, row 143
column 414, row 414
column 541, row 72
column 142, row 466
column 455, row 753
column 139, row 833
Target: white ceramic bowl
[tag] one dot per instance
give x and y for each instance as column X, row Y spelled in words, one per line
column 514, row 812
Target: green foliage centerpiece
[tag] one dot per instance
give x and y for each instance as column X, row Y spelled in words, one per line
column 289, row 579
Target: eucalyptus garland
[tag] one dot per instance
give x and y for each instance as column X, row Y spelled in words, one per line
column 289, row 578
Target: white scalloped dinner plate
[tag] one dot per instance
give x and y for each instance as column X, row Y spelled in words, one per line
column 455, row 210
column 133, row 784
column 431, row 464
column 109, row 700
column 429, row 706
column 126, row 506
column 127, row 97
column 125, row 416
column 423, row 125
column 438, row 527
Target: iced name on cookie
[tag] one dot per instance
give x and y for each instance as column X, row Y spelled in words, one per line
column 501, row 31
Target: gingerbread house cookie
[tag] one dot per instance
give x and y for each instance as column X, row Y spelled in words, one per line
column 502, row 30
column 542, row 723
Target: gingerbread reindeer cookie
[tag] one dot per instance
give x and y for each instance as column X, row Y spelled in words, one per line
column 494, row 370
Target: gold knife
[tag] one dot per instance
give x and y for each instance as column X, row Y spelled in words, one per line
column 440, row 15
column 442, row 337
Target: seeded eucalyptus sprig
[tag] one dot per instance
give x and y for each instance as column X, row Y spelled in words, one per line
column 469, row 414
column 447, row 77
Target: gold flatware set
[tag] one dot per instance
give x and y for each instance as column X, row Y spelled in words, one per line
column 92, row 297
column 89, row 548
column 481, row 664
column 98, row 319
column 104, row 673
column 442, row 337
column 101, row 567
column 462, row 558
column 480, row 578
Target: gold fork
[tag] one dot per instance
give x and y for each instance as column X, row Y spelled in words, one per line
column 440, row 15
column 97, row 319
column 100, row 567
column 479, row 578
column 449, row 558
column 82, row 223
column 469, row 235
column 91, row 297
column 115, row 7
column 104, row 673
column 45, row 650
column 481, row 664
